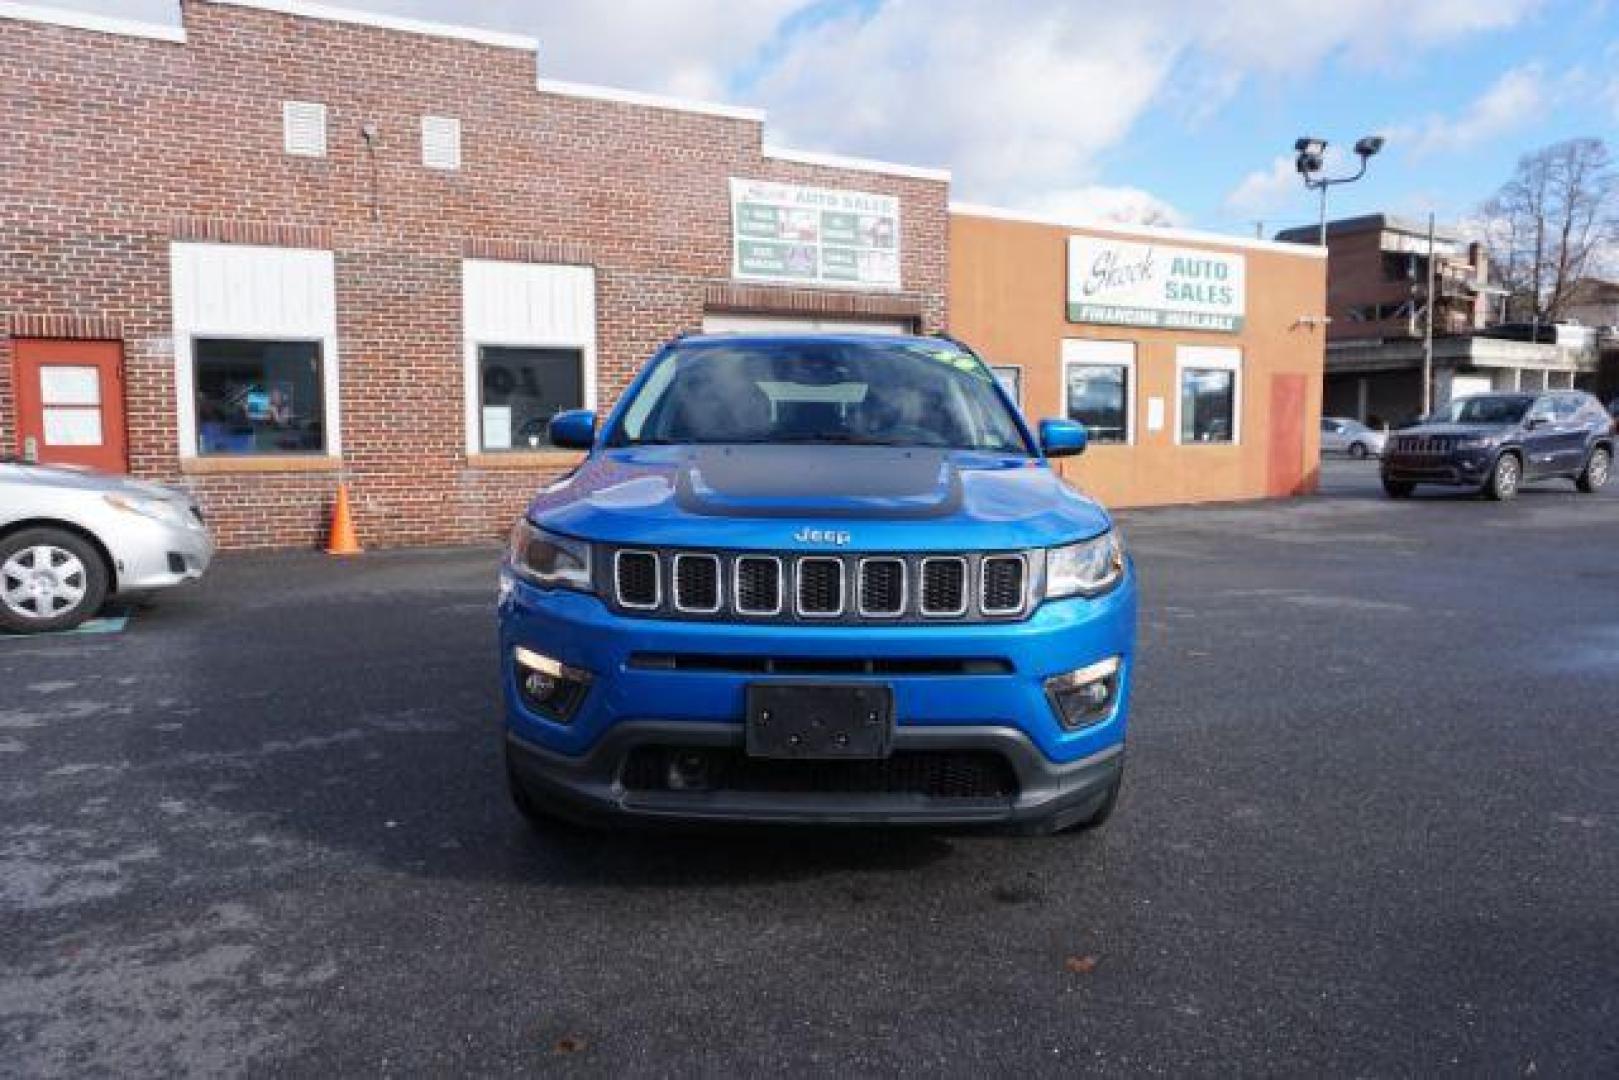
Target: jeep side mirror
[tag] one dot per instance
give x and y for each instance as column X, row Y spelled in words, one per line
column 1538, row 420
column 573, row 430
column 1062, row 438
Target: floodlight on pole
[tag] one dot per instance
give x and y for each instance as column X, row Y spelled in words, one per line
column 1312, row 162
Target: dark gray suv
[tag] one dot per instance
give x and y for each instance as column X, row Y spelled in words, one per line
column 1496, row 442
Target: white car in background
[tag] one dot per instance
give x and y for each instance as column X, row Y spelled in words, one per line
column 70, row 538
column 1341, row 435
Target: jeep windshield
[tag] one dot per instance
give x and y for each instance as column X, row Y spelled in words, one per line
column 1486, row 409
column 876, row 393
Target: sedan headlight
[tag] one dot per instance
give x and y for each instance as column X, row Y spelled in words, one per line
column 1088, row 568
column 169, row 513
column 555, row 562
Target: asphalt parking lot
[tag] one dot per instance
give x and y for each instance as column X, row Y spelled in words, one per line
column 1371, row 827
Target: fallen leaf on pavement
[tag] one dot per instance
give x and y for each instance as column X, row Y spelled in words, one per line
column 1080, row 965
column 570, row 1044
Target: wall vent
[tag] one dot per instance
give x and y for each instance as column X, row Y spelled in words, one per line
column 441, row 142
column 304, row 128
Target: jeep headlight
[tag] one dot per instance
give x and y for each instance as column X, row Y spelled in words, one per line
column 1088, row 568
column 549, row 560
column 1475, row 442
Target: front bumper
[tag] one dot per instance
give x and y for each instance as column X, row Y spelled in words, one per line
column 591, row 788
column 157, row 554
column 999, row 709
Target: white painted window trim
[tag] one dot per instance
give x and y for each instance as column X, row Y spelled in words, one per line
column 473, row 342
column 1210, row 358
column 185, row 365
column 1130, row 389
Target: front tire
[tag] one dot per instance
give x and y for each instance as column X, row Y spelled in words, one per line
column 50, row 580
column 1357, row 451
column 1595, row 474
column 1398, row 489
column 1505, row 478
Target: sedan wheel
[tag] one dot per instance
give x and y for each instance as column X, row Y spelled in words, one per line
column 49, row 580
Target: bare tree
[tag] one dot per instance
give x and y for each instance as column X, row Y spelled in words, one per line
column 1550, row 223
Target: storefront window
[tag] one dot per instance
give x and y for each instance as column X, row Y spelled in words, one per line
column 1208, row 405
column 522, row 389
column 1099, row 398
column 259, row 397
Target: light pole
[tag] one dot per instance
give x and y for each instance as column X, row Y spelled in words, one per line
column 1312, row 160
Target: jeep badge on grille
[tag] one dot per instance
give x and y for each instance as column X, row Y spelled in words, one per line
column 835, row 537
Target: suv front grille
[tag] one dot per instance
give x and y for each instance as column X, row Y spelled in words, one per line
column 944, row 586
column 1002, row 584
column 758, row 585
column 882, row 587
column 819, row 587
column 637, row 579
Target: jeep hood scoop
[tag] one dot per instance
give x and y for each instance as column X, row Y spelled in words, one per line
column 800, row 481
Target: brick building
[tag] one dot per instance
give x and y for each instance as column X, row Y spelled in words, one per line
column 1377, row 281
column 284, row 245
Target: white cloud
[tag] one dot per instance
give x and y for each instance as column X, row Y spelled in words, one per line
column 1264, row 190
column 1514, row 100
column 1098, row 202
column 1022, row 98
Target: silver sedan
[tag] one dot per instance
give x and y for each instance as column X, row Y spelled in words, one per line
column 71, row 538
column 1340, row 435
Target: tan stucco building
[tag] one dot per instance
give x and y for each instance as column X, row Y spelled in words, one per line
column 1194, row 359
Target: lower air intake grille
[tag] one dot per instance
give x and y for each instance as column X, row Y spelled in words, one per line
column 937, row 774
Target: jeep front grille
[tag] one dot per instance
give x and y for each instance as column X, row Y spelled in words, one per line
column 944, row 586
column 637, row 579
column 820, row 587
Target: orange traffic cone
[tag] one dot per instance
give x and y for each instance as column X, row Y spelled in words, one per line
column 343, row 540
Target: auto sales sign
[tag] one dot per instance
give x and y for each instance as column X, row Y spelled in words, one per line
column 1128, row 284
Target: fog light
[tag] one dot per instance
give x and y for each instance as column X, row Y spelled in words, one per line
column 1087, row 696
column 549, row 687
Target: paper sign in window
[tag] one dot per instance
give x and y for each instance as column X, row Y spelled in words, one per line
column 70, row 385
column 72, row 427
column 497, row 427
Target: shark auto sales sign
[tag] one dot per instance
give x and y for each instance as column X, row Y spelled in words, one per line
column 1128, row 284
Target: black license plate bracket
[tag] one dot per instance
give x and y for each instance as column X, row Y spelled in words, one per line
column 811, row 721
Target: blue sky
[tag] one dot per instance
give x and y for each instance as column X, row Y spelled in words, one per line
column 1186, row 111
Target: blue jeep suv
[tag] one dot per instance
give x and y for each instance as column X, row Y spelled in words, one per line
column 816, row 578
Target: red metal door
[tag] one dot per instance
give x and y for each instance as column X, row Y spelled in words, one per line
column 1288, row 394
column 70, row 403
